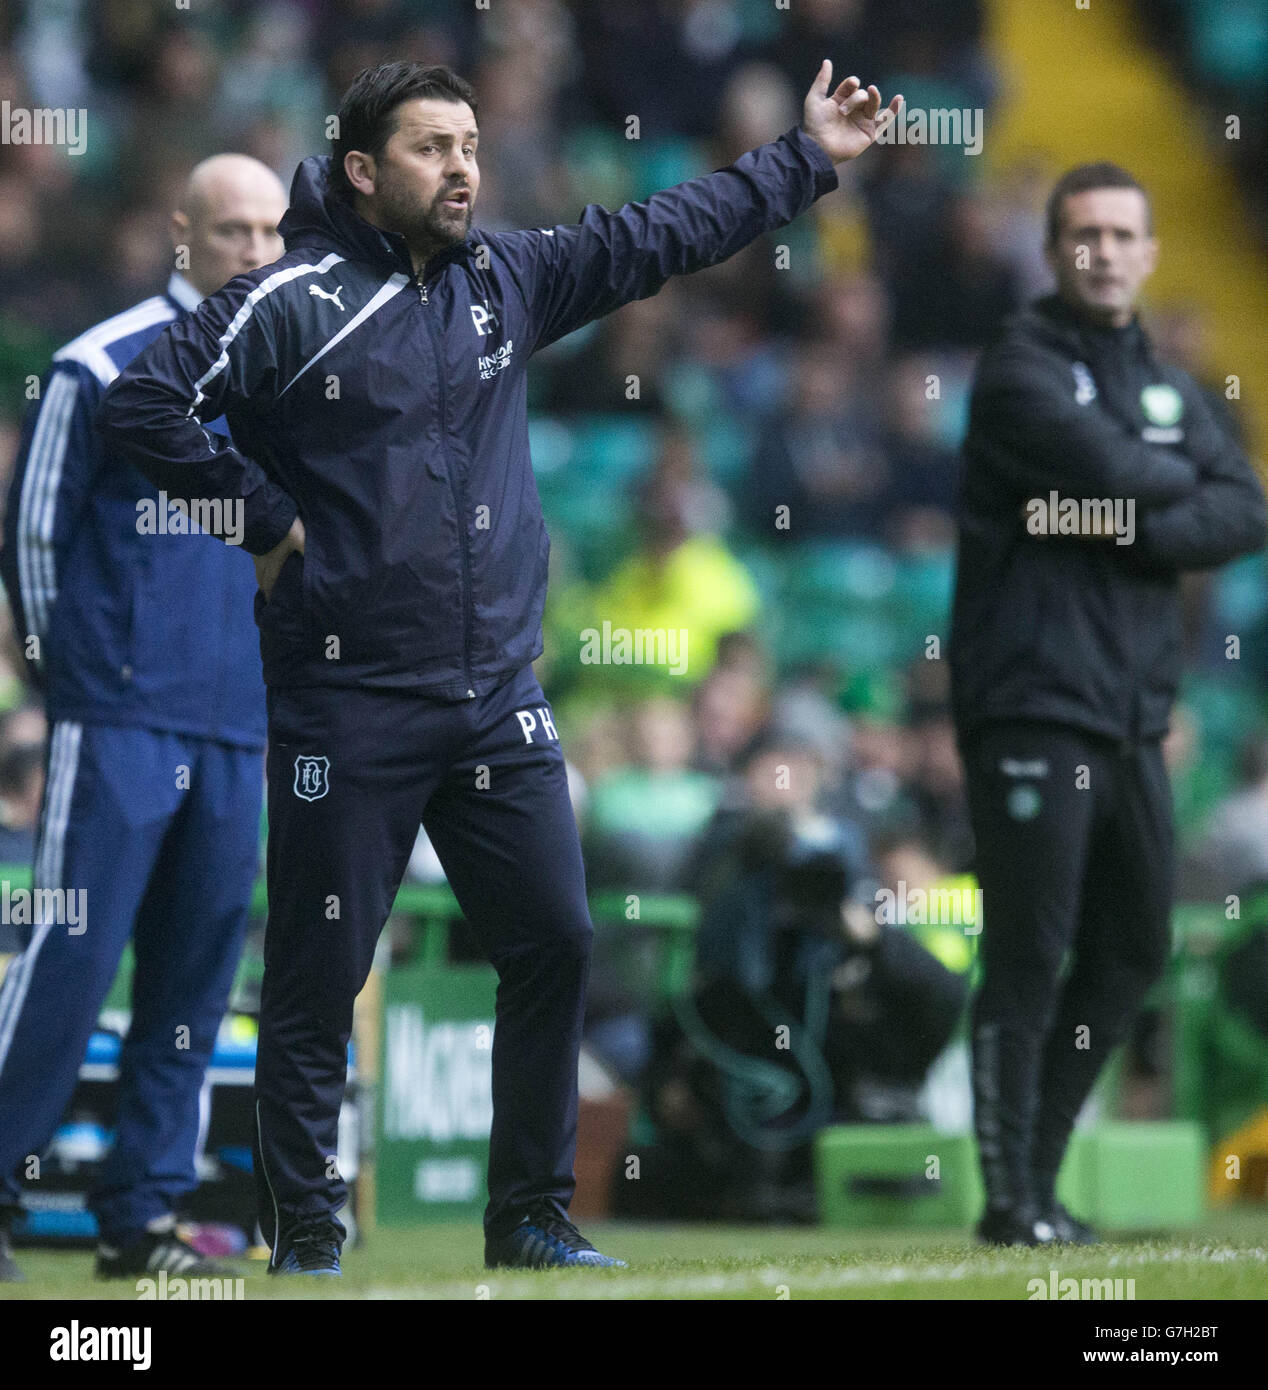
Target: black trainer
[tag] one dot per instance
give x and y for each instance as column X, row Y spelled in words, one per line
column 310, row 1250
column 1014, row 1226
column 545, row 1240
column 153, row 1250
column 1067, row 1229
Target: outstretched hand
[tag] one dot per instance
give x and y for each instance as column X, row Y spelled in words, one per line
column 846, row 122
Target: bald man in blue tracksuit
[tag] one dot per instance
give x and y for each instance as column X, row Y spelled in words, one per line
column 141, row 637
column 374, row 380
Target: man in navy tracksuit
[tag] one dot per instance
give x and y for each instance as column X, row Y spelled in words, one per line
column 374, row 382
column 138, row 632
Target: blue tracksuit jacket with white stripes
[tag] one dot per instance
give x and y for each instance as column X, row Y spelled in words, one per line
column 388, row 409
column 126, row 623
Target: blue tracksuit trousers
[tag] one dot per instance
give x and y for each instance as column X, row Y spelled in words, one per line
column 157, row 836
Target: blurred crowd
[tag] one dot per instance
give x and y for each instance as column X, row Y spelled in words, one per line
column 1220, row 47
column 763, row 455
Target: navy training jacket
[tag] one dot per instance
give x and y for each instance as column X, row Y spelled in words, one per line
column 389, row 411
column 133, row 625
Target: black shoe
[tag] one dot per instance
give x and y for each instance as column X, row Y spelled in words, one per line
column 544, row 1240
column 10, row 1273
column 1067, row 1229
column 1013, row 1226
column 314, row 1250
column 156, row 1250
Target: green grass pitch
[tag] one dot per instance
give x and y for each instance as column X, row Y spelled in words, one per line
column 1227, row 1257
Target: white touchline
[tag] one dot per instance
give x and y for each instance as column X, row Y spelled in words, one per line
column 772, row 1276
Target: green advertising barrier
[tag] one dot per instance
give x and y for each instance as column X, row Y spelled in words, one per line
column 1123, row 1175
column 435, row 1097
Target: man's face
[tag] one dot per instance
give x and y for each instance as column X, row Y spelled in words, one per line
column 231, row 228
column 1104, row 253
column 424, row 184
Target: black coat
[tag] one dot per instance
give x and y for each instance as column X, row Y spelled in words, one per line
column 1079, row 629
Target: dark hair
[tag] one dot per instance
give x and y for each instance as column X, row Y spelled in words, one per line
column 367, row 113
column 1083, row 179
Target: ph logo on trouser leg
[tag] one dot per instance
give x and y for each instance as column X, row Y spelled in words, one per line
column 534, row 720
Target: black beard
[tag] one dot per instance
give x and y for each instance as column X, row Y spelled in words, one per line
column 440, row 225
column 429, row 230
column 434, row 228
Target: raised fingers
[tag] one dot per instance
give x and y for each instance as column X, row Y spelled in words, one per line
column 855, row 102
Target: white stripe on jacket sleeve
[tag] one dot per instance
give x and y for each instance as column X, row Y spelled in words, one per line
column 37, row 508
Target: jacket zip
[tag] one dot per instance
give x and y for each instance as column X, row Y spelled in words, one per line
column 459, row 496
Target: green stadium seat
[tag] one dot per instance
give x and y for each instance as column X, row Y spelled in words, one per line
column 765, row 568
column 1230, row 42
column 1239, row 598
column 665, row 160
column 614, row 449
column 923, row 587
column 850, row 571
column 553, row 444
column 847, row 640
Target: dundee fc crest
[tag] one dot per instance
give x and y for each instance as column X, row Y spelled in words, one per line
column 311, row 777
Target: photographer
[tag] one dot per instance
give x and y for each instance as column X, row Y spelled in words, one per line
column 806, row 1011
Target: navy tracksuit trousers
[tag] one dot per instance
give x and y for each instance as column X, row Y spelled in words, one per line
column 351, row 774
column 158, row 835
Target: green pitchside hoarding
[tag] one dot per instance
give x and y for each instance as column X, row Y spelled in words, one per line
column 435, row 1096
